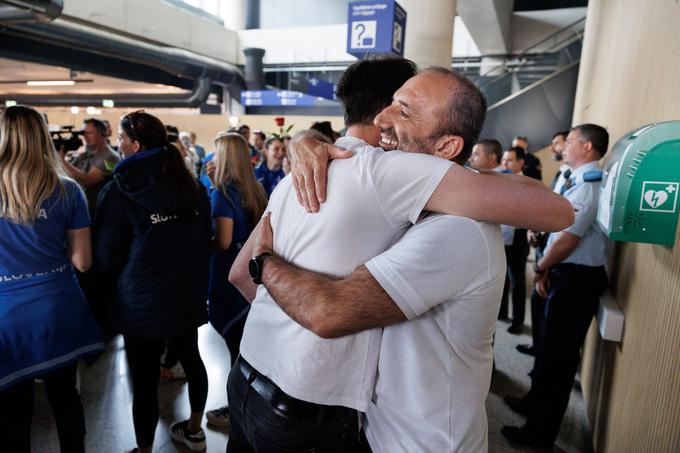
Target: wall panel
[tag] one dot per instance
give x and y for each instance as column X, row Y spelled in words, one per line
column 629, row 77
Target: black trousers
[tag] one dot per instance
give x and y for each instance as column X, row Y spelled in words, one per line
column 265, row 419
column 16, row 412
column 515, row 278
column 143, row 357
column 537, row 316
column 572, row 302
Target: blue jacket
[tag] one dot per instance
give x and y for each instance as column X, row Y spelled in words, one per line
column 158, row 259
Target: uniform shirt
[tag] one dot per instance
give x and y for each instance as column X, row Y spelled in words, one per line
column 509, row 230
column 268, row 178
column 26, row 250
column 372, row 199
column 205, row 180
column 584, row 197
column 446, row 275
column 105, row 160
column 231, row 207
column 560, row 179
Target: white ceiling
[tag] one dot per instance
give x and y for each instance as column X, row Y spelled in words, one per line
column 14, row 70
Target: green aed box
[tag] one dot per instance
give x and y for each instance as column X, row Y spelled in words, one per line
column 640, row 186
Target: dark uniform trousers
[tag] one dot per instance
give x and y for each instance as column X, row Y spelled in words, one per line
column 516, row 257
column 572, row 302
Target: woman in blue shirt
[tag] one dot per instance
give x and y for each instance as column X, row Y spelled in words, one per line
column 237, row 202
column 45, row 322
column 270, row 172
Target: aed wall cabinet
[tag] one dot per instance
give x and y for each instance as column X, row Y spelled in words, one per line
column 640, row 186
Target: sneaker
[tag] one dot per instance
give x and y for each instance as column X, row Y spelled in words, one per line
column 173, row 374
column 218, row 417
column 179, row 433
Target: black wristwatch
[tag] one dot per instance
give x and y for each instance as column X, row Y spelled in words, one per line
column 256, row 265
column 537, row 270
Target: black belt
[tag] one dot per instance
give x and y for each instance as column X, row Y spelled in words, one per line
column 285, row 404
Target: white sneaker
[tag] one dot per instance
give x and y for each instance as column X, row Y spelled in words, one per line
column 173, row 374
column 218, row 417
column 179, row 433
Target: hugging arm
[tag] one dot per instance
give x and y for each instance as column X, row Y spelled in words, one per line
column 498, row 198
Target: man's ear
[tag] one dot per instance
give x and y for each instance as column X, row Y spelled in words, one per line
column 449, row 146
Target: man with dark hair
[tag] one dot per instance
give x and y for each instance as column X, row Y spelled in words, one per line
column 537, row 239
column 366, row 89
column 516, row 253
column 321, row 343
column 91, row 167
column 572, row 276
column 486, row 155
column 532, row 164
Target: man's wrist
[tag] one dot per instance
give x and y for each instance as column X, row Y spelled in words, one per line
column 538, row 269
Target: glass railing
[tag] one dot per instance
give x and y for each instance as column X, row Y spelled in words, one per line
column 533, row 64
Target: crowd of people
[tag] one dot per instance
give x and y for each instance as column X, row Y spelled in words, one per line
column 365, row 325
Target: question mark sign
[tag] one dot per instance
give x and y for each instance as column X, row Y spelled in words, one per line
column 363, row 29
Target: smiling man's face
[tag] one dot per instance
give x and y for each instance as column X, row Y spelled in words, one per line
column 413, row 118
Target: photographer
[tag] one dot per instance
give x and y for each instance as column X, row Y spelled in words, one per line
column 91, row 167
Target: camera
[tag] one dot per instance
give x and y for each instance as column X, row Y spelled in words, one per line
column 67, row 139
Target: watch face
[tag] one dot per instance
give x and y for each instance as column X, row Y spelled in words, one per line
column 253, row 268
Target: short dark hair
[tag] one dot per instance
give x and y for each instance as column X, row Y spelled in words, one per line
column 367, row 86
column 325, row 128
column 491, row 146
column 243, row 127
column 260, row 134
column 520, row 153
column 596, row 135
column 562, row 133
column 465, row 112
column 97, row 124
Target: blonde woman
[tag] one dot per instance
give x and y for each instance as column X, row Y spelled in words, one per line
column 237, row 202
column 45, row 323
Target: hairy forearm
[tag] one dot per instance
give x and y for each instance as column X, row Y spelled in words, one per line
column 508, row 199
column 559, row 250
column 329, row 307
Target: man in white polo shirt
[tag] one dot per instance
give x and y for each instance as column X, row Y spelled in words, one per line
column 286, row 388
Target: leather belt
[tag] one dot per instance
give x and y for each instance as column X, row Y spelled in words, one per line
column 285, row 404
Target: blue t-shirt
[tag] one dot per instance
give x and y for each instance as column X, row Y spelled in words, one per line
column 269, row 179
column 205, row 180
column 42, row 247
column 226, row 303
column 231, row 208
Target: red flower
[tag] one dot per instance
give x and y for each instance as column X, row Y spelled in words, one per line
column 280, row 121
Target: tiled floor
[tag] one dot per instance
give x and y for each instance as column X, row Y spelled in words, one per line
column 107, row 401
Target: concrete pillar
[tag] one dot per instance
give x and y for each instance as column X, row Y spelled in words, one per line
column 589, row 60
column 235, row 17
column 429, row 31
column 252, row 14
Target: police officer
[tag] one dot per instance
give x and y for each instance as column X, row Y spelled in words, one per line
column 571, row 275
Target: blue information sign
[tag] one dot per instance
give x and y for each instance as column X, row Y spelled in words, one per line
column 376, row 27
column 276, row 98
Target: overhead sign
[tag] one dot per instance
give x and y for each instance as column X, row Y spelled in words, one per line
column 312, row 86
column 376, row 28
column 271, row 98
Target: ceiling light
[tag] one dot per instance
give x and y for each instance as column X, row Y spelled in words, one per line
column 108, row 103
column 75, row 110
column 10, row 103
column 50, row 83
column 233, row 121
column 93, row 111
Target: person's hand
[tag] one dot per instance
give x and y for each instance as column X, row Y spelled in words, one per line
column 62, row 153
column 541, row 284
column 309, row 167
column 210, row 171
column 264, row 239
